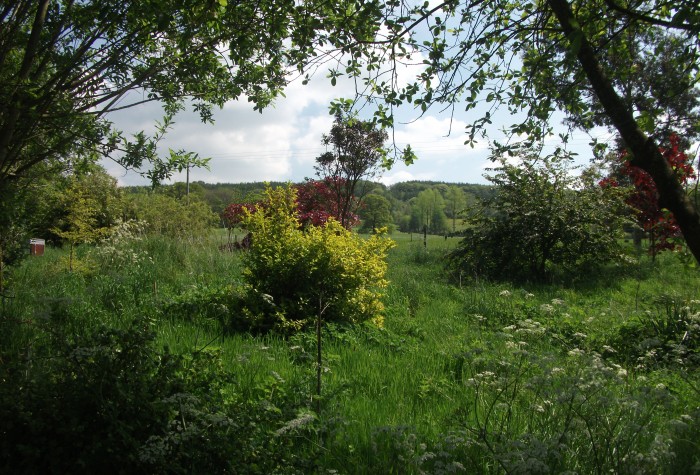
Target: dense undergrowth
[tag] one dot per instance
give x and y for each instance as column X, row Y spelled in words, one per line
column 129, row 364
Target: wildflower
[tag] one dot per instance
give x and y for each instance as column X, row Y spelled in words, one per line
column 580, row 335
column 557, row 302
column 546, row 309
column 529, row 295
column 301, row 421
column 504, row 293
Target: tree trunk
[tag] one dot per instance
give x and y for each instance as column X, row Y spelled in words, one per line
column 644, row 150
column 2, row 270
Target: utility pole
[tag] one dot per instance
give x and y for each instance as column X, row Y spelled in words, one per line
column 188, row 184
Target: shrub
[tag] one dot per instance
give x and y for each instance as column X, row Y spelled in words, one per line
column 168, row 216
column 542, row 219
column 533, row 413
column 668, row 336
column 293, row 273
column 116, row 251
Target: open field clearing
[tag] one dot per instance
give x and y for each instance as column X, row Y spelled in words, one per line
column 590, row 376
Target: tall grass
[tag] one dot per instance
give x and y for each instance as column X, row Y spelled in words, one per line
column 465, row 376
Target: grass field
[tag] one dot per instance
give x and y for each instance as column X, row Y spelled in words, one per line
column 596, row 375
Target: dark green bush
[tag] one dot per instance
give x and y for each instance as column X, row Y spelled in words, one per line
column 543, row 221
column 111, row 403
column 668, row 335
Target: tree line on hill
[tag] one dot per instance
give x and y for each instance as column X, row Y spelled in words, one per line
column 406, row 206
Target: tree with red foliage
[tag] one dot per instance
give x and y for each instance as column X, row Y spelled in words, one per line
column 233, row 213
column 659, row 223
column 317, row 201
column 355, row 157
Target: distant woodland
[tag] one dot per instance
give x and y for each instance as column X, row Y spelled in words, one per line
column 412, row 205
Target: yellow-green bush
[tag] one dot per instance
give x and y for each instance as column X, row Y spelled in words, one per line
column 293, row 273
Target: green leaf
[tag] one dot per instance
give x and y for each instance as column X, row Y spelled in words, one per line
column 645, row 121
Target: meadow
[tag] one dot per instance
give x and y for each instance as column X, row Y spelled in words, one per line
column 592, row 375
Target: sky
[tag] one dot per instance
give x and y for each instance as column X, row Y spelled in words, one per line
column 282, row 142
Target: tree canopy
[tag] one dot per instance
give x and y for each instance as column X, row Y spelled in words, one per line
column 65, row 65
column 587, row 59
column 375, row 213
column 356, row 156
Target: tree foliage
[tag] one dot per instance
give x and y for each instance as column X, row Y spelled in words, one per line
column 545, row 220
column 429, row 212
column 659, row 224
column 356, row 156
column 168, row 216
column 65, row 65
column 294, row 272
column 80, row 222
column 455, row 203
column 319, row 200
column 582, row 58
column 315, row 205
column 375, row 213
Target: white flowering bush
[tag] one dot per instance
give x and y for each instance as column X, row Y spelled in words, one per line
column 543, row 221
column 529, row 412
column 117, row 250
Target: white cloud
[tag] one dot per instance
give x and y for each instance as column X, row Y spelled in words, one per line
column 279, row 144
column 441, row 157
column 282, row 143
column 390, row 178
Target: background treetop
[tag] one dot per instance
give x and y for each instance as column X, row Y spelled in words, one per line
column 356, row 156
column 64, row 65
column 587, row 59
